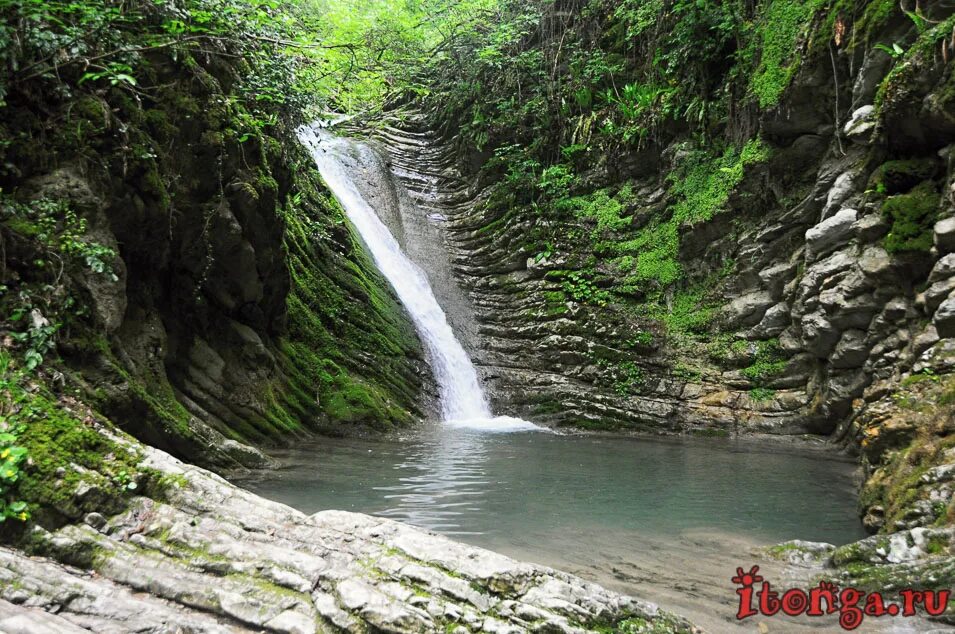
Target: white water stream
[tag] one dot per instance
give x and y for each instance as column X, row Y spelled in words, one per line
column 463, row 403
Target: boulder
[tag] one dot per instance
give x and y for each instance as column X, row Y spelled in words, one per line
column 945, row 235
column 861, row 124
column 838, row 193
column 818, row 334
column 944, row 318
column 773, row 322
column 851, row 351
column 943, row 269
column 830, row 234
column 748, row 310
column 776, row 276
column 215, row 558
column 870, row 227
column 875, row 262
column 935, row 294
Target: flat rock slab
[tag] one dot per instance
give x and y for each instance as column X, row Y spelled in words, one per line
column 212, row 557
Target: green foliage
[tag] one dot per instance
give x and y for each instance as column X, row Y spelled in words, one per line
column 702, row 185
column 638, row 16
column 604, row 209
column 301, row 55
column 688, row 311
column 911, row 217
column 900, row 176
column 782, row 24
column 704, row 182
column 630, row 379
column 768, row 362
column 655, row 249
column 12, row 455
column 580, row 286
column 37, row 307
column 895, row 51
column 57, row 227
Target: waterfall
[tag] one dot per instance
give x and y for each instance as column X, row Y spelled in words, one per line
column 463, row 402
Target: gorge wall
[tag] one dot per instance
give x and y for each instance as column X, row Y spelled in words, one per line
column 626, row 275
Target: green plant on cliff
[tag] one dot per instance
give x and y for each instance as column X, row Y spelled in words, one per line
column 704, row 182
column 59, row 457
column 12, row 455
column 781, row 25
column 39, row 304
column 911, row 217
column 767, row 362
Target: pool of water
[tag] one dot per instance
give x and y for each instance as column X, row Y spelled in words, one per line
column 665, row 519
column 525, row 485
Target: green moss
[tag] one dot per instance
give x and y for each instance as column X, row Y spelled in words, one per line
column 896, row 177
column 911, row 217
column 349, row 352
column 70, row 449
column 782, row 23
column 705, row 181
column 702, row 185
column 768, row 363
column 23, row 226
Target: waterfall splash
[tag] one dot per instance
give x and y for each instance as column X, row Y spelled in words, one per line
column 463, row 403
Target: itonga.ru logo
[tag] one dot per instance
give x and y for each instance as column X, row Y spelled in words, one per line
column 853, row 605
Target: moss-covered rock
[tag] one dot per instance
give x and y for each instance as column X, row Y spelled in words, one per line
column 912, row 217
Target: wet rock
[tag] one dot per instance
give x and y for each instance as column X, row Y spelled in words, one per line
column 874, row 518
column 851, row 351
column 944, row 318
column 773, row 322
column 801, row 553
column 748, row 309
column 95, row 520
column 850, row 312
column 841, row 189
column 875, row 262
column 861, row 124
column 842, row 389
column 925, row 340
column 243, row 454
column 819, row 335
column 944, row 235
column 935, row 294
column 830, row 234
column 870, row 227
column 776, row 276
column 943, row 269
column 822, row 272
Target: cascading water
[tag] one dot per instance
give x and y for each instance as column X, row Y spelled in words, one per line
column 463, row 403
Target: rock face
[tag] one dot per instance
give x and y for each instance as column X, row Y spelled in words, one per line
column 211, row 557
column 227, row 315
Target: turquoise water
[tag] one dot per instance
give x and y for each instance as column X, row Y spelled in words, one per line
column 520, row 487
